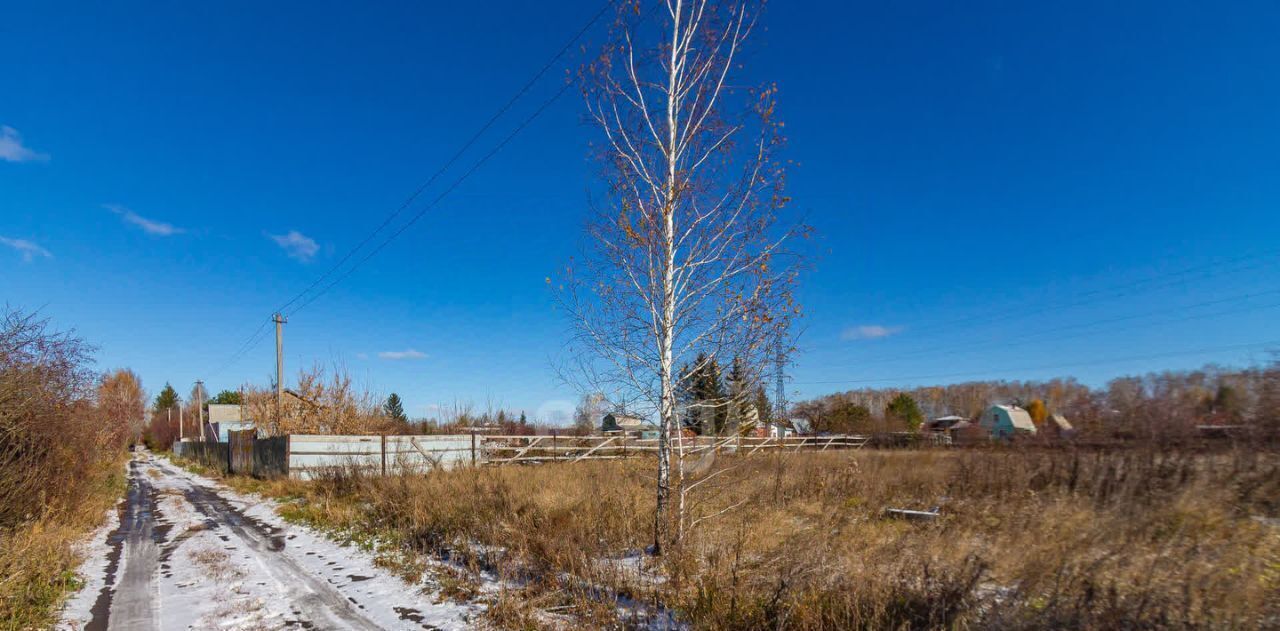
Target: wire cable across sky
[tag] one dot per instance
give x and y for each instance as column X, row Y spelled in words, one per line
column 255, row 338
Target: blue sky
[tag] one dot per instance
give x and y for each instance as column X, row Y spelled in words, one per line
column 1000, row 189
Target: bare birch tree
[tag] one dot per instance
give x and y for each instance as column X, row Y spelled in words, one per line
column 687, row 251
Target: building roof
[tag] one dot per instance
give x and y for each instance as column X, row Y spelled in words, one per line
column 223, row 412
column 950, row 418
column 1019, row 417
column 1060, row 421
column 629, row 422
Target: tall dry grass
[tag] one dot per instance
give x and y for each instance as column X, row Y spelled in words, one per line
column 1026, row 539
column 59, row 465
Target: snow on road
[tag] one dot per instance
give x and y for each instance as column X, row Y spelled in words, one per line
column 187, row 553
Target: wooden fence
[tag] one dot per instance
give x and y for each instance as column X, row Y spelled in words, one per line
column 208, row 453
column 243, row 453
column 553, row 448
column 240, row 445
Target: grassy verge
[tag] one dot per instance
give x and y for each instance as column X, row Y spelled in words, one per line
column 1039, row 539
column 38, row 559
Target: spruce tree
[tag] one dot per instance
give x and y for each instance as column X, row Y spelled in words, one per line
column 168, row 398
column 764, row 409
column 707, row 393
column 904, row 409
column 395, row 409
column 738, row 386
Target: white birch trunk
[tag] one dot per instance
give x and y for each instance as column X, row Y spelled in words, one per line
column 685, row 251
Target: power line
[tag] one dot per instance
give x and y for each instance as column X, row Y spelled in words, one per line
column 1113, row 360
column 1201, row 316
column 456, row 183
column 1116, row 291
column 524, row 89
column 255, row 337
column 1030, row 337
column 243, row 349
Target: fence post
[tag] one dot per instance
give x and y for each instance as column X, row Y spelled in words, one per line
column 473, row 449
column 624, row 446
column 555, row 453
column 384, row 455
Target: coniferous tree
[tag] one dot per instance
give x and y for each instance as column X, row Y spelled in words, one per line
column 227, row 397
column 684, row 397
column 764, row 407
column 904, row 409
column 738, row 396
column 395, row 409
column 707, row 396
column 168, row 398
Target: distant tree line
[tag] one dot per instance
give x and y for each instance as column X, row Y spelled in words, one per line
column 1170, row 403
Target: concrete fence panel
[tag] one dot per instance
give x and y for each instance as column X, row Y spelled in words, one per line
column 310, row 455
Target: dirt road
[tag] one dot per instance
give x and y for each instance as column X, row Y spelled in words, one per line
column 187, row 553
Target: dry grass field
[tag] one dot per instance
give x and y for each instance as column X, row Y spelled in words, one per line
column 1025, row 539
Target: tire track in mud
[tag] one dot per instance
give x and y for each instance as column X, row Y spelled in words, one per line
column 315, row 601
column 130, row 603
column 139, row 553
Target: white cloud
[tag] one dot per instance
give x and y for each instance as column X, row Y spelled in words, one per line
column 12, row 149
column 405, row 354
column 869, row 332
column 28, row 249
column 157, row 228
column 362, row 356
column 297, row 245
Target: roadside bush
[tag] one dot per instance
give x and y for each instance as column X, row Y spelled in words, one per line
column 59, row 464
column 163, row 430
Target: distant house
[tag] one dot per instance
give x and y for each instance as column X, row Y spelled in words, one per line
column 223, row 412
column 1059, row 426
column 621, row 423
column 774, row 429
column 224, row 418
column 1006, row 421
column 944, row 423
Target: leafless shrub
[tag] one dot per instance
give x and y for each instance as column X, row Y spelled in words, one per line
column 51, row 438
column 59, row 463
column 324, row 401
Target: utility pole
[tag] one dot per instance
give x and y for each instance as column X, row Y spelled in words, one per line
column 200, row 407
column 279, row 320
